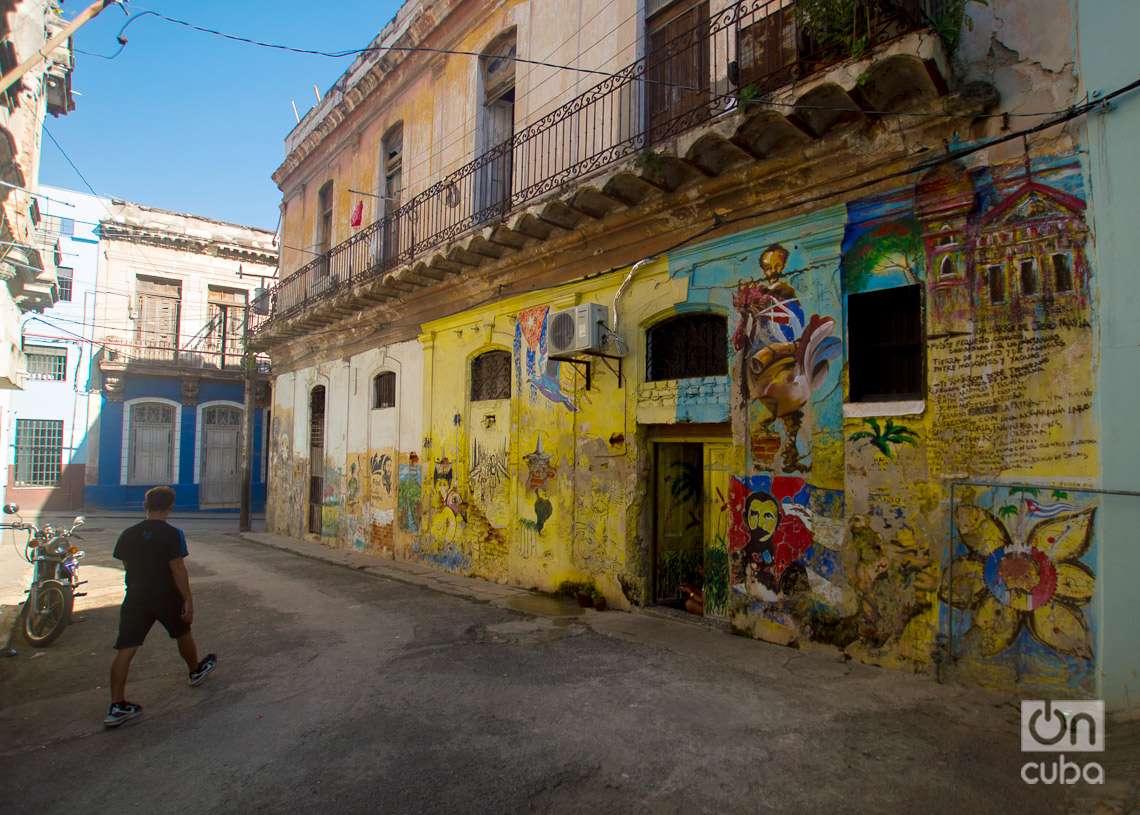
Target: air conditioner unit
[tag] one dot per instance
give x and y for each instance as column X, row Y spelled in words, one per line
column 578, row 329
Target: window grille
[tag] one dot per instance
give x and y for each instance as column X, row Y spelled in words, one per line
column 384, row 390
column 884, row 330
column 491, row 376
column 39, row 452
column 691, row 345
column 47, row 364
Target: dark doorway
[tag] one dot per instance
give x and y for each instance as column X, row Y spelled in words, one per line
column 678, row 561
column 316, row 458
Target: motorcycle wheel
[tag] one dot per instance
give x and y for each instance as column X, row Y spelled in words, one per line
column 55, row 604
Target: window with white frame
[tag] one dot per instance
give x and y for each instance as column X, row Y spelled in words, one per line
column 65, row 277
column 48, row 364
column 150, row 454
column 39, row 452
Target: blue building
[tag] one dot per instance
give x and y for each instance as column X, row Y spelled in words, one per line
column 169, row 327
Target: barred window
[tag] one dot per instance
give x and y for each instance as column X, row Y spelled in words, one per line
column 885, row 345
column 384, row 390
column 48, row 364
column 687, row 346
column 491, row 376
column 65, row 276
column 39, row 452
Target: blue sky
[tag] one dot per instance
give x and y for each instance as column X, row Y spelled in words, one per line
column 191, row 122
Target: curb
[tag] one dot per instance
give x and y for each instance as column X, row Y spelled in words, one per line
column 440, row 582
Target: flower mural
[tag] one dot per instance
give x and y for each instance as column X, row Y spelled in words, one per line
column 1037, row 584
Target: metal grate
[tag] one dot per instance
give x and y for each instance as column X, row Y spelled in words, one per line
column 688, row 346
column 47, row 364
column 491, row 376
column 39, row 452
column 384, row 390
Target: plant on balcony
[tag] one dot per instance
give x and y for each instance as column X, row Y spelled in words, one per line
column 851, row 27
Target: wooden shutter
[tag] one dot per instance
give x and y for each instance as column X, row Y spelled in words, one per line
column 678, row 64
column 768, row 51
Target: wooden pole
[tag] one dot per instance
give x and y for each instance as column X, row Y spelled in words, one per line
column 88, row 14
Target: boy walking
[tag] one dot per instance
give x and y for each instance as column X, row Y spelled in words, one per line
column 158, row 589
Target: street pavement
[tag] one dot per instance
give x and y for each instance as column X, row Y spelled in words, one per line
column 341, row 690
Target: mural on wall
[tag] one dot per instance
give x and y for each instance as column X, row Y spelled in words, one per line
column 1019, row 594
column 380, row 475
column 542, row 373
column 885, row 436
column 409, row 495
column 772, row 540
column 784, row 358
column 489, row 471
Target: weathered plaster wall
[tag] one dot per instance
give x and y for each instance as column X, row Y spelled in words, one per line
column 1114, row 180
column 370, row 453
column 436, row 99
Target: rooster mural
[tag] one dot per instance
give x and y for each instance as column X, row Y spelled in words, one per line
column 784, row 359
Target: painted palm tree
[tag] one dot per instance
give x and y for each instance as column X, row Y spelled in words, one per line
column 885, row 438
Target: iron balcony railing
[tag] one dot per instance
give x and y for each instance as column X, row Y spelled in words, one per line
column 737, row 55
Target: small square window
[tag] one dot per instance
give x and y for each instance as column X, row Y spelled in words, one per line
column 884, row 333
column 1062, row 272
column 383, row 390
column 1028, row 276
column 995, row 281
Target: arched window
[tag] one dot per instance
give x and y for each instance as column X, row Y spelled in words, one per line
column 491, row 376
column 150, row 456
column 383, row 390
column 687, row 346
column 948, row 268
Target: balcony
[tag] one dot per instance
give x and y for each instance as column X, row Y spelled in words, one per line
column 753, row 82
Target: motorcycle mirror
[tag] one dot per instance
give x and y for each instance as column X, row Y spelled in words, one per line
column 80, row 520
column 11, row 509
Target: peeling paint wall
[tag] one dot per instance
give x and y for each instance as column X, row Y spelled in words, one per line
column 370, row 453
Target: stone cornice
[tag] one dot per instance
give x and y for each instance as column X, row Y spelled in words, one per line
column 188, row 243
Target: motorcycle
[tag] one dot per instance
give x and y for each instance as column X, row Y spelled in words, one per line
column 55, row 578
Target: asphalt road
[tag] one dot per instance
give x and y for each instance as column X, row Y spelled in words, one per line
column 338, row 691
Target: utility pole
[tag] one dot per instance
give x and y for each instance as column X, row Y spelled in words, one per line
column 248, row 367
column 88, row 14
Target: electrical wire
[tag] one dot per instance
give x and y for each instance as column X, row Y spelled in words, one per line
column 352, row 52
column 719, row 223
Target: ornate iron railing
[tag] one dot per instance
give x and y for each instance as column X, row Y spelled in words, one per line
column 733, row 57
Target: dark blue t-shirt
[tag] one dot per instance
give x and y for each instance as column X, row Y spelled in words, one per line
column 146, row 550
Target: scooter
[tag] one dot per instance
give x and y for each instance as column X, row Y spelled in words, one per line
column 55, row 578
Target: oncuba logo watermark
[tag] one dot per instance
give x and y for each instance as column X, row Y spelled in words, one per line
column 1062, row 727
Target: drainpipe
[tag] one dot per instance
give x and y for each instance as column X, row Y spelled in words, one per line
column 621, row 290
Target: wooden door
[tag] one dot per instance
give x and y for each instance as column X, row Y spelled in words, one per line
column 718, row 459
column 677, row 65
column 151, row 440
column 678, row 556
column 221, row 455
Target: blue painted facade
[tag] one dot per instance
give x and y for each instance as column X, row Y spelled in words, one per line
column 109, row 493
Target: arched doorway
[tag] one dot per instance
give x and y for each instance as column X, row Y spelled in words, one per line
column 220, row 481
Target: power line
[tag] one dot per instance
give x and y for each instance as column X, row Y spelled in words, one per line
column 719, row 223
column 351, row 52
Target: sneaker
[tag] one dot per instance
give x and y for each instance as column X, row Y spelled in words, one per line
column 203, row 670
column 120, row 713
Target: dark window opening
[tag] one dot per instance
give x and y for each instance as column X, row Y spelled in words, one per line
column 316, row 458
column 884, row 331
column 948, row 267
column 687, row 346
column 1062, row 273
column 384, row 390
column 491, row 376
column 995, row 280
column 1028, row 277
